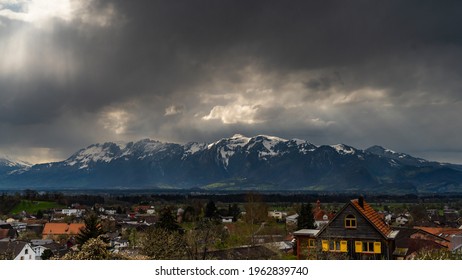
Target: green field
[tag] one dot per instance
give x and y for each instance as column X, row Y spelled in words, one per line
column 33, row 206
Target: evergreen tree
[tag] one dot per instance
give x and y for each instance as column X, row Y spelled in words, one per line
column 234, row 211
column 306, row 218
column 211, row 210
column 39, row 214
column 92, row 229
column 47, row 254
column 167, row 221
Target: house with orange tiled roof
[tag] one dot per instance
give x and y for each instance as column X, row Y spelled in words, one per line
column 55, row 230
column 357, row 231
column 321, row 216
column 453, row 235
column 410, row 241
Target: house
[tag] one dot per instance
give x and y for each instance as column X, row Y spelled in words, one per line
column 452, row 235
column 355, row 232
column 72, row 211
column 118, row 244
column 19, row 226
column 7, row 232
column 40, row 245
column 402, row 220
column 227, row 219
column 409, row 241
column 16, row 250
column 278, row 215
column 110, row 211
column 306, row 243
column 292, row 219
column 55, row 230
column 321, row 217
column 143, row 209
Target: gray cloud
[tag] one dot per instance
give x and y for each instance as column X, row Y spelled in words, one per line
column 360, row 72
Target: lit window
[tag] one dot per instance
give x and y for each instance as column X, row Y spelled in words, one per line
column 350, row 221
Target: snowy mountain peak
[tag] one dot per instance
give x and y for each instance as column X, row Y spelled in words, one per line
column 237, row 140
column 344, row 149
column 94, row 153
column 192, row 148
column 270, row 138
column 381, row 151
column 237, row 135
column 6, row 161
column 387, row 153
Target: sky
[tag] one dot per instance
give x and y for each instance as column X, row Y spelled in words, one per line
column 362, row 73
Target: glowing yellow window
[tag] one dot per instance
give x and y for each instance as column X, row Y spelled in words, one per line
column 350, row 221
column 325, row 245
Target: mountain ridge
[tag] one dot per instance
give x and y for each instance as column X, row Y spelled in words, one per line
column 260, row 162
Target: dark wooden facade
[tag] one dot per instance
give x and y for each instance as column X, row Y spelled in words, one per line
column 354, row 233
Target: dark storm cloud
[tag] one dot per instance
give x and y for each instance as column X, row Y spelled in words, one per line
column 359, row 72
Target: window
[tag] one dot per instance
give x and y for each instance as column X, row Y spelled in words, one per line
column 311, row 243
column 335, row 245
column 350, row 221
column 368, row 247
column 26, row 251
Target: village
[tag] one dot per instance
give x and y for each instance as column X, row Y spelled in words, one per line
column 94, row 228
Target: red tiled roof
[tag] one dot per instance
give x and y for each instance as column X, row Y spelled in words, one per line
column 374, row 218
column 319, row 215
column 61, row 228
column 441, row 231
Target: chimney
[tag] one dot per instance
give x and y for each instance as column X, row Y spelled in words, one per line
column 361, row 201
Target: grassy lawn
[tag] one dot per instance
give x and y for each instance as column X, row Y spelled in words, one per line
column 33, row 206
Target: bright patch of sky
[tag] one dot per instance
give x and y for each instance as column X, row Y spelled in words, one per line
column 36, row 11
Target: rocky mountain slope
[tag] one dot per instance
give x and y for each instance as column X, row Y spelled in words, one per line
column 238, row 163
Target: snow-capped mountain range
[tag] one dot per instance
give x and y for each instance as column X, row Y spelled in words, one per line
column 8, row 165
column 261, row 162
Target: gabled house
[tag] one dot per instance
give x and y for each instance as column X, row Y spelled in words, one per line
column 452, row 235
column 321, row 217
column 409, row 241
column 55, row 230
column 16, row 250
column 356, row 232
